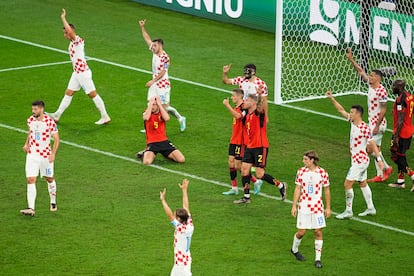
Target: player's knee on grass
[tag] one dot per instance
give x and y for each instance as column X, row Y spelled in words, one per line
column 177, row 156
column 148, row 158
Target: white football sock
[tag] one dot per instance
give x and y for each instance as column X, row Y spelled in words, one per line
column 64, row 104
column 349, row 198
column 173, row 111
column 318, row 249
column 295, row 244
column 31, row 195
column 366, row 191
column 52, row 191
column 100, row 105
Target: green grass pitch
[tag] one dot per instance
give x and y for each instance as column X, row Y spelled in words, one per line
column 110, row 220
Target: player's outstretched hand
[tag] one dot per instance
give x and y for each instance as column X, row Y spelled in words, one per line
column 184, row 184
column 142, row 22
column 63, row 15
column 162, row 194
column 226, row 68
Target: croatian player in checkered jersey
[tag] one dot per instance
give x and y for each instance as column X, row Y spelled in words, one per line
column 184, row 228
column 377, row 108
column 160, row 84
column 81, row 76
column 360, row 139
column 40, row 156
column 310, row 214
column 249, row 83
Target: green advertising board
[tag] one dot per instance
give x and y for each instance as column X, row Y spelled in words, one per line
column 256, row 14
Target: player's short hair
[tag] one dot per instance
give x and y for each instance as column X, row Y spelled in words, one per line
column 71, row 25
column 253, row 97
column 378, row 73
column 358, row 108
column 250, row 66
column 39, row 103
column 311, row 154
column 182, row 214
column 239, row 91
column 159, row 40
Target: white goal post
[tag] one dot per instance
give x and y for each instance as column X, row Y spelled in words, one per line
column 312, row 36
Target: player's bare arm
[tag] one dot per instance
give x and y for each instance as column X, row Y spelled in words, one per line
column 337, row 105
column 167, row 209
column 56, row 142
column 68, row 29
column 356, row 66
column 327, row 202
column 381, row 115
column 145, row 35
column 234, row 113
column 156, row 78
column 147, row 113
column 225, row 78
column 164, row 114
column 184, row 187
column 296, row 196
column 26, row 146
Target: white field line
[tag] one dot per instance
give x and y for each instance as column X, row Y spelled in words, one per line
column 179, row 172
column 215, row 182
column 34, row 66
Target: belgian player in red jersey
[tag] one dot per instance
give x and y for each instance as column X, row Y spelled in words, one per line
column 402, row 132
column 155, row 118
column 257, row 148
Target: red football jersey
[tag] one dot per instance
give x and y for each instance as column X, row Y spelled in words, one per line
column 404, row 104
column 256, row 130
column 237, row 134
column 155, row 129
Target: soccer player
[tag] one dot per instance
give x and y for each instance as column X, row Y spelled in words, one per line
column 377, row 108
column 81, row 76
column 402, row 132
column 160, row 84
column 257, row 148
column 40, row 156
column 184, row 228
column 236, row 140
column 360, row 139
column 249, row 83
column 155, row 118
column 310, row 180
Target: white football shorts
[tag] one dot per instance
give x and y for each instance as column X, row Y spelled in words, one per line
column 36, row 164
column 358, row 172
column 163, row 93
column 82, row 80
column 310, row 221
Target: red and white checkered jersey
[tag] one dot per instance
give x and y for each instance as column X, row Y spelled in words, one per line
column 359, row 137
column 182, row 242
column 250, row 87
column 160, row 62
column 40, row 133
column 375, row 97
column 311, row 183
column 77, row 55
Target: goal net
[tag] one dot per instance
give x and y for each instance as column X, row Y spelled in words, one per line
column 313, row 35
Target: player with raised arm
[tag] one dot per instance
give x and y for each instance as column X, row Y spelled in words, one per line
column 40, row 156
column 183, row 223
column 360, row 139
column 377, row 108
column 257, row 149
column 249, row 83
column 402, row 132
column 310, row 214
column 81, row 76
column 160, row 84
column 155, row 118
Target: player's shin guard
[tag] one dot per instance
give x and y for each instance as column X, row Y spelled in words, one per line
column 349, row 199
column 100, row 105
column 64, row 104
column 366, row 192
column 318, row 249
column 31, row 195
column 295, row 244
column 52, row 191
column 271, row 180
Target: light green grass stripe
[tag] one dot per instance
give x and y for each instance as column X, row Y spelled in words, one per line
column 113, row 155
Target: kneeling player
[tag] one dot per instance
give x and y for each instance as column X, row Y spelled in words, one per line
column 155, row 117
column 311, row 215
